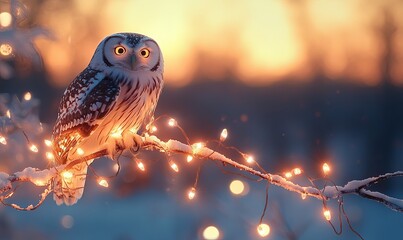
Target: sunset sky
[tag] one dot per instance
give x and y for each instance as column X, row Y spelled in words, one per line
column 259, row 41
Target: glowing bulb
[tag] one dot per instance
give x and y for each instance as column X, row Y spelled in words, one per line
column 3, row 140
column 326, row 168
column 237, row 187
column 192, row 193
column 8, row 114
column 250, row 159
column 5, row 19
column 67, row 176
column 80, row 151
column 303, row 196
column 27, row 96
column 172, row 122
column 153, row 129
column 211, row 233
column 327, row 214
column 297, row 171
column 197, row 147
column 140, row 165
column 6, row 49
column 174, row 166
column 224, row 135
column 33, row 148
column 102, row 182
column 48, row 142
column 39, row 183
column 189, row 158
column 288, row 174
column 49, row 155
column 263, row 229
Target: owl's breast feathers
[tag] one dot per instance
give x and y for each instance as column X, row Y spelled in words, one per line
column 88, row 98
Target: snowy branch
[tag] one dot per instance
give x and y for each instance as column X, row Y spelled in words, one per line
column 359, row 187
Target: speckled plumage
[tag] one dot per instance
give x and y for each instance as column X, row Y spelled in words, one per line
column 110, row 100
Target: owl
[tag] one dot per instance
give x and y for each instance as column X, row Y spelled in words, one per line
column 105, row 106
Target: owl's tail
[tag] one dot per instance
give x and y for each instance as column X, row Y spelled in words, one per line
column 68, row 186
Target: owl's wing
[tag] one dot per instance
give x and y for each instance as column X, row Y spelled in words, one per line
column 85, row 102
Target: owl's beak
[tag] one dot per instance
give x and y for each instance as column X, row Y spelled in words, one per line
column 133, row 62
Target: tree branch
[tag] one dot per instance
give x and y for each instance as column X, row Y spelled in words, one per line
column 359, row 187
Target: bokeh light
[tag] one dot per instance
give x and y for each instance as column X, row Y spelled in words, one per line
column 211, row 233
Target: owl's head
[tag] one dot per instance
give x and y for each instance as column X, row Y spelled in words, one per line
column 128, row 51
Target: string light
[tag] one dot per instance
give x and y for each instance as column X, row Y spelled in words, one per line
column 263, row 229
column 27, row 96
column 189, row 158
column 5, row 19
column 250, row 159
column 67, row 176
column 237, row 187
column 173, row 166
column 326, row 168
column 153, row 129
column 33, row 148
column 303, row 196
column 197, row 147
column 49, row 155
column 211, row 233
column 102, row 182
column 3, row 140
column 6, row 49
column 327, row 214
column 297, row 171
column 192, row 193
column 48, row 142
column 80, row 151
column 224, row 135
column 288, row 174
column 172, row 122
column 140, row 165
column 8, row 114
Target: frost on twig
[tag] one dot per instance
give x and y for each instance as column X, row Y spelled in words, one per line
column 358, row 187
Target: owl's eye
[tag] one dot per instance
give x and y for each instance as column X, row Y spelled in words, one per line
column 145, row 53
column 119, row 50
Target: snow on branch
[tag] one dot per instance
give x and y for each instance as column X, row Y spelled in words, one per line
column 358, row 187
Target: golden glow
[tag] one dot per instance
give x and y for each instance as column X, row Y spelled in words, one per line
column 326, row 168
column 6, row 49
column 189, row 158
column 303, row 196
column 250, row 159
column 102, row 182
column 5, row 19
column 288, row 174
column 50, row 156
column 327, row 214
column 192, row 193
column 3, row 140
column 27, row 96
column 33, row 148
column 117, row 133
column 67, row 176
column 196, row 147
column 8, row 114
column 80, row 151
column 297, row 171
column 140, row 165
column 263, row 229
column 237, row 187
column 211, row 233
column 172, row 122
column 153, row 129
column 173, row 166
column 223, row 135
column 48, row 142
column 39, row 182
